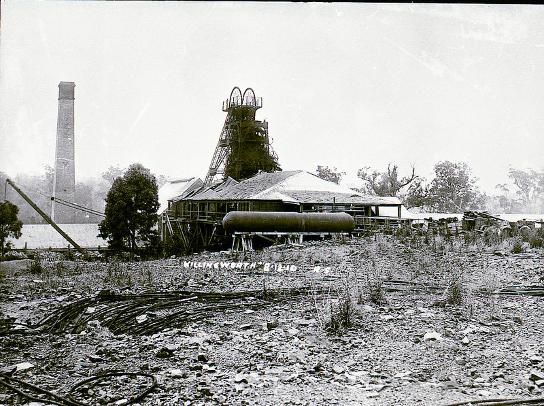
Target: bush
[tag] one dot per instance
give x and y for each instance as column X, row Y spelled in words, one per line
column 536, row 242
column 374, row 287
column 403, row 232
column 69, row 255
column 376, row 292
column 118, row 274
column 455, row 292
column 36, row 267
column 517, row 248
column 342, row 315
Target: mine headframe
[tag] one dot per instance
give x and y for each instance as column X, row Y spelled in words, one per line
column 233, row 106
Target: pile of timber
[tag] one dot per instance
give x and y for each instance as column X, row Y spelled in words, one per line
column 477, row 220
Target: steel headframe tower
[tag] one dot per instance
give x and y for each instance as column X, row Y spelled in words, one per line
column 237, row 100
column 64, row 186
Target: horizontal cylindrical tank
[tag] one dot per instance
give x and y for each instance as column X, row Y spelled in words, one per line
column 272, row 221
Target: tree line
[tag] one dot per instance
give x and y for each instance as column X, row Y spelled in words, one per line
column 90, row 193
column 128, row 197
column 453, row 188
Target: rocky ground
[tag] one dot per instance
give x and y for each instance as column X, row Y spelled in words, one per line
column 412, row 324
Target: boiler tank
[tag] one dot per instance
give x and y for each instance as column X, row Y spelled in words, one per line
column 258, row 221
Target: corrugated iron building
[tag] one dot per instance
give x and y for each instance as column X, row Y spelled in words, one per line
column 196, row 214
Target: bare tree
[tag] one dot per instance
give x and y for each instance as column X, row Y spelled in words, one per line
column 385, row 183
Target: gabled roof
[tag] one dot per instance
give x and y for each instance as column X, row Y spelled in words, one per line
column 211, row 191
column 177, row 189
column 290, row 187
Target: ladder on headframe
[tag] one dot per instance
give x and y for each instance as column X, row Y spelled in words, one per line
column 220, row 154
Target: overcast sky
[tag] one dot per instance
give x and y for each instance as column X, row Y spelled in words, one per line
column 345, row 85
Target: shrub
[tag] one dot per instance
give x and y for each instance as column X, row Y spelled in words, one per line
column 537, row 238
column 36, row 267
column 118, row 274
column 374, row 286
column 517, row 248
column 536, row 242
column 60, row 269
column 342, row 315
column 69, row 255
column 454, row 294
column 376, row 292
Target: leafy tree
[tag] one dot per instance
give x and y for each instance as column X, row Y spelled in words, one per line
column 525, row 193
column 385, row 183
column 37, row 187
column 454, row 189
column 330, row 174
column 112, row 173
column 418, row 194
column 10, row 225
column 90, row 193
column 161, row 180
column 529, row 187
column 249, row 148
column 131, row 212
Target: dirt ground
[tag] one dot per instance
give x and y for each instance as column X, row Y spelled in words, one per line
column 376, row 321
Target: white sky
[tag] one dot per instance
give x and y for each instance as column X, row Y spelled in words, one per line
column 345, row 85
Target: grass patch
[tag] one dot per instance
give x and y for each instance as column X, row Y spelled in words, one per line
column 342, row 315
column 455, row 292
column 117, row 274
column 36, row 267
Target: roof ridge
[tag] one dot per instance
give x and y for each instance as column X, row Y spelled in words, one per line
column 262, row 192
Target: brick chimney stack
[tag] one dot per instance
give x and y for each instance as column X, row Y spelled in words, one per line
column 65, row 177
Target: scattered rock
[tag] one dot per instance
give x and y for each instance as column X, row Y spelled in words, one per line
column 432, row 336
column 95, row 358
column 195, row 367
column 164, row 352
column 317, row 367
column 535, row 359
column 177, row 373
column 23, row 366
column 205, row 390
column 304, row 322
column 141, row 318
column 272, row 324
column 337, row 369
column 536, row 376
column 93, row 324
column 293, row 331
column 239, row 378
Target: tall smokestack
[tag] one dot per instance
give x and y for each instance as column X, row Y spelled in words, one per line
column 65, row 176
